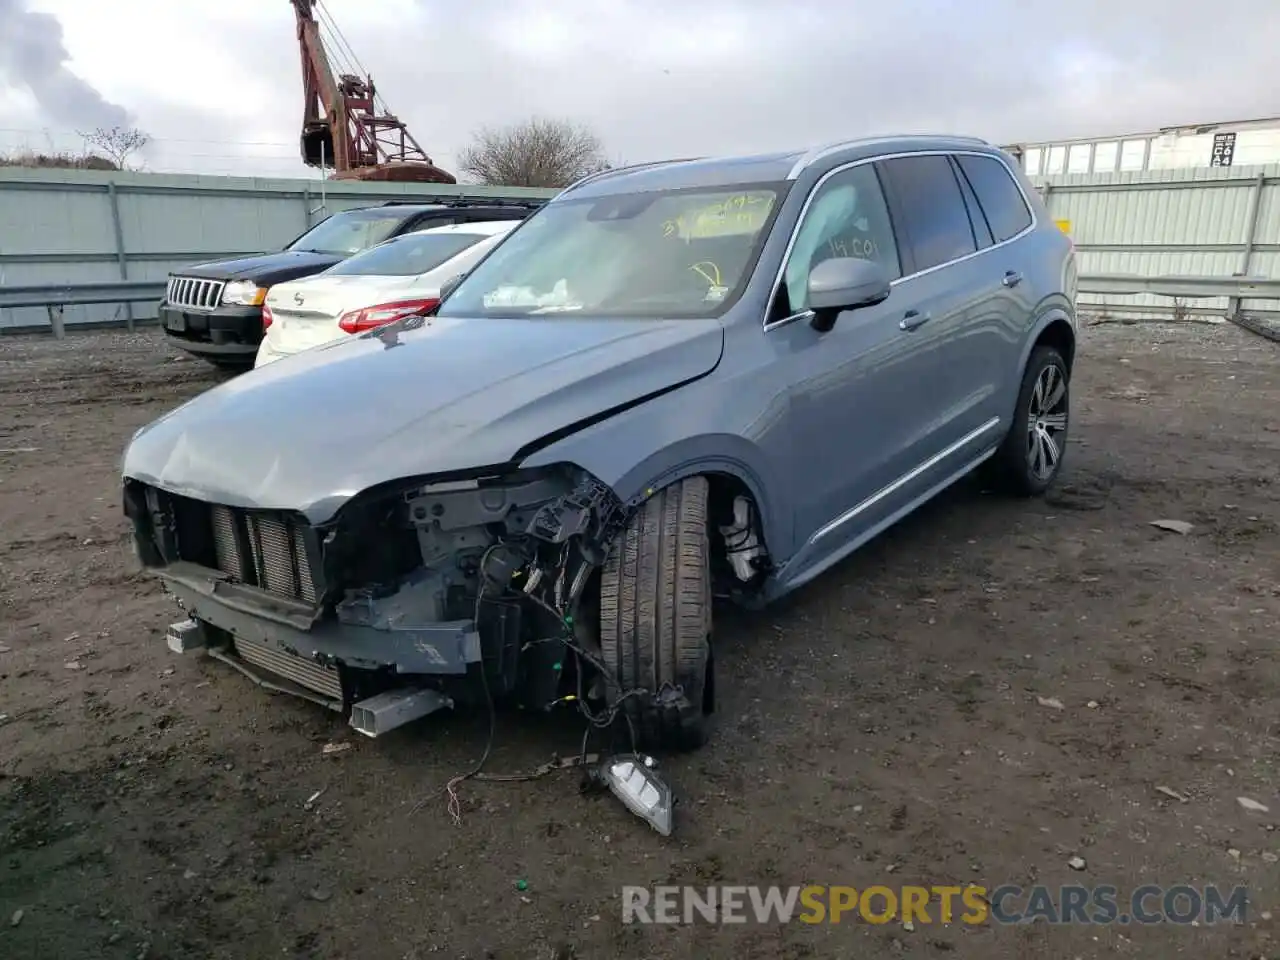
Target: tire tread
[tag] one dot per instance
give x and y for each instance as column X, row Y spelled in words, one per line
column 655, row 610
column 1007, row 469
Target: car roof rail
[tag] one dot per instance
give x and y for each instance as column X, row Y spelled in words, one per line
column 610, row 171
column 816, row 153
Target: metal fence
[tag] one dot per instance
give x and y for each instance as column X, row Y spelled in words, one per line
column 1166, row 225
column 1143, row 239
column 60, row 229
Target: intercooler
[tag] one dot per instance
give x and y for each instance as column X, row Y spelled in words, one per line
column 312, row 676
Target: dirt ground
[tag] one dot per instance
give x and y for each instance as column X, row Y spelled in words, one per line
column 883, row 726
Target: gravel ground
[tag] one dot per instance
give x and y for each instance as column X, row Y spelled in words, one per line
column 986, row 692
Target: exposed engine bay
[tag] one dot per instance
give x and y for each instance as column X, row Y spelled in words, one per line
column 415, row 595
column 421, row 580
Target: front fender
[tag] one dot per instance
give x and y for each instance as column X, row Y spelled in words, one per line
column 689, row 431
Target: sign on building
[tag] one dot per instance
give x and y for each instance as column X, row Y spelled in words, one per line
column 1224, row 150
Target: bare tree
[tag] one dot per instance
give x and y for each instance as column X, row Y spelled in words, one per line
column 117, row 143
column 538, row 152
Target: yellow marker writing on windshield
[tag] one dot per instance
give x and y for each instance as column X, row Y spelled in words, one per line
column 744, row 211
column 712, row 278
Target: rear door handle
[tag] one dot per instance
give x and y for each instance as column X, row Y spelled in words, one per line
column 913, row 319
column 1012, row 279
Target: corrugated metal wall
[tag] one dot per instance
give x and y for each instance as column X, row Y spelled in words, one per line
column 60, row 226
column 1211, row 221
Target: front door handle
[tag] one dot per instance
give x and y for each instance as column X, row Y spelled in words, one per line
column 1012, row 279
column 913, row 319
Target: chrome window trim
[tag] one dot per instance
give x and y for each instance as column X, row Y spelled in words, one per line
column 813, row 192
column 812, row 156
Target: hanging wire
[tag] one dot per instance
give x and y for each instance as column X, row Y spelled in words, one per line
column 337, row 31
column 335, row 54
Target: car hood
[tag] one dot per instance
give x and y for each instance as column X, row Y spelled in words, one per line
column 310, row 431
column 263, row 268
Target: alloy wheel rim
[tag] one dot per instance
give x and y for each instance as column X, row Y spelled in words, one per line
column 1047, row 422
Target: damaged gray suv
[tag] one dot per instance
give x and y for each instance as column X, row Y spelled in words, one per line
column 676, row 382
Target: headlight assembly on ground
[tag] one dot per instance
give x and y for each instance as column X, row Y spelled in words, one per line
column 634, row 781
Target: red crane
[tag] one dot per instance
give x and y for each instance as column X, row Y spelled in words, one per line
column 345, row 126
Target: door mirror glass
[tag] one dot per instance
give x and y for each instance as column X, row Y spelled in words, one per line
column 844, row 283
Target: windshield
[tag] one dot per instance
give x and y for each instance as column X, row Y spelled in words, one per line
column 349, row 232
column 407, row 256
column 679, row 253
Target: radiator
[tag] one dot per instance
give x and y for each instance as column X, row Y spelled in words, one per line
column 277, row 558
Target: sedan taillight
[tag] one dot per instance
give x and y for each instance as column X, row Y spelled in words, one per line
column 367, row 318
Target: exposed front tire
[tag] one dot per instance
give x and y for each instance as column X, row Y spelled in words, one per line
column 1030, row 458
column 655, row 618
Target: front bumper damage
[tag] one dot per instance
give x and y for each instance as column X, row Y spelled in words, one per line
column 387, row 643
column 387, row 600
column 383, row 610
column 319, row 664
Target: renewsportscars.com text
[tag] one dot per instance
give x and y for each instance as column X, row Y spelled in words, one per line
column 970, row 905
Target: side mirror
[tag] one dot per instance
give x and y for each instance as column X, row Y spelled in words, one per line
column 844, row 283
column 450, row 285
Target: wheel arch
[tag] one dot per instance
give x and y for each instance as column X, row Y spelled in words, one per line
column 731, row 464
column 1056, row 329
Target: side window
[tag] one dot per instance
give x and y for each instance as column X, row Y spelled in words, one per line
column 981, row 229
column 847, row 218
column 933, row 215
column 1001, row 200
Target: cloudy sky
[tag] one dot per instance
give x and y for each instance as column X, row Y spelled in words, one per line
column 216, row 82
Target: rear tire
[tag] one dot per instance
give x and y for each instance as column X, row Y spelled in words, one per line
column 1030, row 458
column 655, row 616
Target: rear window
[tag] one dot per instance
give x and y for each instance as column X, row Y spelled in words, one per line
column 407, row 256
column 1001, row 200
column 349, row 232
column 932, row 208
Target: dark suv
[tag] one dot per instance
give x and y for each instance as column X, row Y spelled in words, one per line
column 214, row 310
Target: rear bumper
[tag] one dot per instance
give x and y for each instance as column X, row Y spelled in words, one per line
column 227, row 333
column 267, row 355
column 270, row 351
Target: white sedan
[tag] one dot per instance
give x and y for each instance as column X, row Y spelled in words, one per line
column 396, row 278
